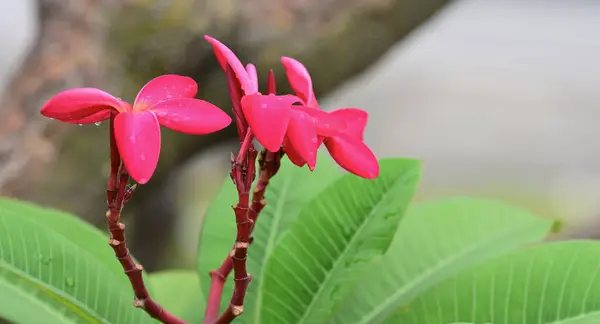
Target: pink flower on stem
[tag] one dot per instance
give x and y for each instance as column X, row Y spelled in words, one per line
column 341, row 130
column 269, row 116
column 167, row 100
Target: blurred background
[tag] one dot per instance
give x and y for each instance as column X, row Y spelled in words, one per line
column 499, row 98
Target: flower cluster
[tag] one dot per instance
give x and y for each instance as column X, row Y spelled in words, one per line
column 296, row 123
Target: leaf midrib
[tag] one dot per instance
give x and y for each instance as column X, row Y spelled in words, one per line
column 269, row 246
column 351, row 243
column 425, row 275
column 37, row 284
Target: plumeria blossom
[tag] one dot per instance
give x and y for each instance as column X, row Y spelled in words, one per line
column 342, row 130
column 297, row 122
column 167, row 100
column 269, row 116
column 308, row 126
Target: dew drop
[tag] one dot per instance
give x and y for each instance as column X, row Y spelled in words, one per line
column 132, row 138
column 314, row 139
column 327, row 125
column 98, row 123
column 264, row 106
column 47, row 260
column 142, row 157
column 169, row 96
column 70, row 282
column 80, row 124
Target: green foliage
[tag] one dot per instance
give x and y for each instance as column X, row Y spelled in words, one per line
column 178, row 291
column 555, row 283
column 54, row 268
column 328, row 248
column 334, row 238
column 435, row 240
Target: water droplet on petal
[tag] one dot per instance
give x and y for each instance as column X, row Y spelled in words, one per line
column 327, row 125
column 142, row 157
column 314, row 140
column 132, row 138
column 98, row 123
column 169, row 96
column 70, row 282
column 264, row 106
column 80, row 124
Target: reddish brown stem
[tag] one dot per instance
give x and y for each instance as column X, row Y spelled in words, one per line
column 117, row 193
column 269, row 163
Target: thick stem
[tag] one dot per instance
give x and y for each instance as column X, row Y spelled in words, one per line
column 269, row 163
column 218, row 278
column 246, row 211
column 117, row 194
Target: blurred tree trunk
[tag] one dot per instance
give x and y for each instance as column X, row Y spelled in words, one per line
column 134, row 41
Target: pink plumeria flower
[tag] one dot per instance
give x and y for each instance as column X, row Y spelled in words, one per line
column 341, row 130
column 167, row 100
column 269, row 116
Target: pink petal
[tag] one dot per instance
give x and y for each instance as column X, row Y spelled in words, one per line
column 165, row 87
column 226, row 56
column 252, row 75
column 268, row 116
column 138, row 139
column 94, row 118
column 353, row 155
column 302, row 134
column 81, row 106
column 300, row 80
column 191, row 116
column 292, row 154
column 354, row 119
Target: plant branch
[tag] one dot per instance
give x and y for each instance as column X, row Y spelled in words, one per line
column 117, row 194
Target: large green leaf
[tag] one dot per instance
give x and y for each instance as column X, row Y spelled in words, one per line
column 556, row 283
column 287, row 193
column 334, row 238
column 52, row 270
column 178, row 291
column 435, row 240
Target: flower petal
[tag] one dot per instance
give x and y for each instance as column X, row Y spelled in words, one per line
column 252, row 75
column 138, row 139
column 292, row 154
column 268, row 116
column 300, row 80
column 94, row 118
column 81, row 106
column 355, row 120
column 164, row 87
column 353, row 155
column 302, row 134
column 226, row 56
column 191, row 116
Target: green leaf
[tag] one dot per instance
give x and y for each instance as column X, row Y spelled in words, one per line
column 290, row 189
column 288, row 193
column 53, row 270
column 556, row 283
column 334, row 238
column 178, row 291
column 436, row 240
